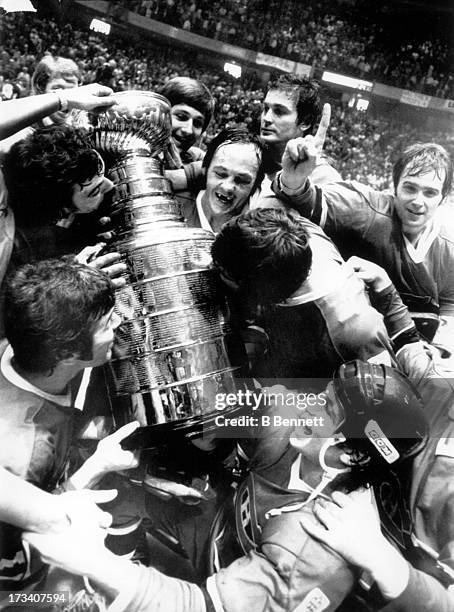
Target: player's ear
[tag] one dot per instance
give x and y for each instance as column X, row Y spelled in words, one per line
column 70, row 360
column 346, row 459
column 303, row 128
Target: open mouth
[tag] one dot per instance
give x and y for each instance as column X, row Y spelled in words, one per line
column 224, row 199
column 183, row 143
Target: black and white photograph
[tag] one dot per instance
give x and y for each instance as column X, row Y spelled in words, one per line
column 226, row 305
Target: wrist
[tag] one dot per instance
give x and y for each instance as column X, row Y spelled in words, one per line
column 63, row 100
column 382, row 283
column 88, row 474
column 115, row 576
column 291, row 189
column 57, row 518
column 96, row 467
column 389, row 570
column 60, row 522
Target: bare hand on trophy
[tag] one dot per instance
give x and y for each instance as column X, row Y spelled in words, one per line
column 110, row 456
column 92, row 97
column 107, row 234
column 109, row 263
column 301, row 155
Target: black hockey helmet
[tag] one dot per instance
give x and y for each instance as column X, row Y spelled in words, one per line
column 382, row 412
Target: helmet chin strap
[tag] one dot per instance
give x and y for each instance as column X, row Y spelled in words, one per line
column 328, row 475
column 338, row 439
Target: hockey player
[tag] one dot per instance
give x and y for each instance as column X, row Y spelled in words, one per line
column 403, row 232
column 406, row 565
column 59, row 320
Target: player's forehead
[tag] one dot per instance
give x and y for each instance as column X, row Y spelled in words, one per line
column 188, row 110
column 62, row 82
column 281, row 97
column 425, row 162
column 237, row 157
column 424, row 178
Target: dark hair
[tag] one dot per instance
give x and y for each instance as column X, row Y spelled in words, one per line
column 236, row 136
column 41, row 171
column 50, row 309
column 266, row 251
column 183, row 90
column 425, row 157
column 307, row 97
column 53, row 68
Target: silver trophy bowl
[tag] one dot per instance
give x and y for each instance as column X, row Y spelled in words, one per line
column 139, row 123
column 171, row 355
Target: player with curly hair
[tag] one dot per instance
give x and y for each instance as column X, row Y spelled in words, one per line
column 52, row 177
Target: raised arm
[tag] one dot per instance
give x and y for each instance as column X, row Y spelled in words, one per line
column 339, row 207
column 301, row 155
column 20, row 113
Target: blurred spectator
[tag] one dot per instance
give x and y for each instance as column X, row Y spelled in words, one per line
column 356, row 38
column 362, row 144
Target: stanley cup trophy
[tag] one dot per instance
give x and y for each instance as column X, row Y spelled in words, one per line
column 170, row 359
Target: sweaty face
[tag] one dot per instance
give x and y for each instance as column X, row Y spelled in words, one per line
column 230, row 178
column 88, row 195
column 187, row 125
column 53, row 85
column 417, row 199
column 103, row 338
column 279, row 119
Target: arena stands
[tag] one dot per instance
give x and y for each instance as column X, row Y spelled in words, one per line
column 335, row 35
column 298, row 310
column 363, row 145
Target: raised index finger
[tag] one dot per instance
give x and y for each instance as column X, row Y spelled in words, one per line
column 124, row 431
column 323, row 127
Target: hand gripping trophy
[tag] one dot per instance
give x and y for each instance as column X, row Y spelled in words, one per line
column 171, row 358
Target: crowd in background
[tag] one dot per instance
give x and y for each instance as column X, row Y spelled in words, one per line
column 298, row 308
column 362, row 145
column 374, row 44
